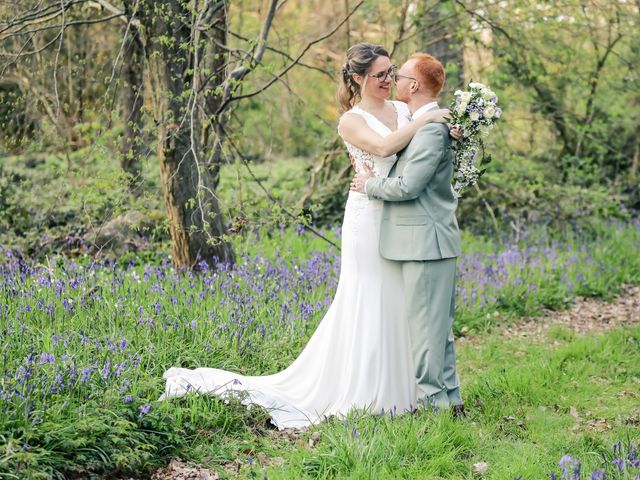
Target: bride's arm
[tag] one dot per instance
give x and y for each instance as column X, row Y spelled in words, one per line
column 354, row 129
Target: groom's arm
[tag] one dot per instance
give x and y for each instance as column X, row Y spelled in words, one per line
column 424, row 154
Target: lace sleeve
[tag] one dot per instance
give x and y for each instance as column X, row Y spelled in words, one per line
column 359, row 156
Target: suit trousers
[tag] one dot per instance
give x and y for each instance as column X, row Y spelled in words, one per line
column 430, row 298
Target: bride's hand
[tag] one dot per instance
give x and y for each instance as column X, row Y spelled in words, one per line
column 435, row 116
column 455, row 131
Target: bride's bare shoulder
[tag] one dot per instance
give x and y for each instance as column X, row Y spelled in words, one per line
column 350, row 121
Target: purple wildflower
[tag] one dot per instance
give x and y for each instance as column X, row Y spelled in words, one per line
column 144, row 409
column 47, row 358
column 86, row 372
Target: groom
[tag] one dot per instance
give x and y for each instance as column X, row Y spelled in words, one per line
column 419, row 229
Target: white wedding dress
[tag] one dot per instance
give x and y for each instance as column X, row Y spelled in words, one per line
column 360, row 355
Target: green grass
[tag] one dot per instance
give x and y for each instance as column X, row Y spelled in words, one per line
column 528, row 405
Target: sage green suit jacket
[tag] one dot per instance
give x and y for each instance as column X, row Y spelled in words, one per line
column 418, row 218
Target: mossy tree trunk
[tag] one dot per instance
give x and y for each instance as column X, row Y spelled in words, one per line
column 175, row 52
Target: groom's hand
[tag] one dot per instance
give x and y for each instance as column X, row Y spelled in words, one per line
column 360, row 179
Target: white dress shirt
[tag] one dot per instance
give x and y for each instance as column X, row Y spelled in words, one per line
column 423, row 109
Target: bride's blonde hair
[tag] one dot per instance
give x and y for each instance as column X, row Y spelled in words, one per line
column 359, row 58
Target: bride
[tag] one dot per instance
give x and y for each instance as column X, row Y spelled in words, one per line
column 360, row 355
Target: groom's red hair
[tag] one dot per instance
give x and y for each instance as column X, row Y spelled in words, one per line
column 429, row 71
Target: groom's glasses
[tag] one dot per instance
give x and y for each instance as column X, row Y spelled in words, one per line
column 382, row 76
column 397, row 76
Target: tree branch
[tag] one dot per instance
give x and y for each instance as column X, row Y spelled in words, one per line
column 65, row 26
column 224, row 104
column 42, row 17
column 286, row 55
column 236, row 76
column 116, row 12
column 291, row 215
column 401, row 28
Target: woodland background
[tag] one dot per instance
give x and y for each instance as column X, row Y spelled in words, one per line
column 131, row 123
column 171, row 192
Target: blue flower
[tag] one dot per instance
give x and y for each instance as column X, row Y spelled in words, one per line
column 144, row 409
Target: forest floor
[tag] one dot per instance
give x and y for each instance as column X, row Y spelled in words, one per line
column 586, row 316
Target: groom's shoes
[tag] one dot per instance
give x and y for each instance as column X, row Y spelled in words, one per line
column 457, row 411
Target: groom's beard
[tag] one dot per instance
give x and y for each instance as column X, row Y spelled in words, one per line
column 400, row 95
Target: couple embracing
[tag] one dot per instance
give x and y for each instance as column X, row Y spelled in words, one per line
column 386, row 342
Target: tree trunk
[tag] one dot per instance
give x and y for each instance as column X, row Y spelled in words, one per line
column 442, row 42
column 347, row 29
column 214, row 74
column 188, row 179
column 635, row 161
column 132, row 147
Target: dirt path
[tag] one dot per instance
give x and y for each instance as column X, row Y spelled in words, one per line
column 583, row 317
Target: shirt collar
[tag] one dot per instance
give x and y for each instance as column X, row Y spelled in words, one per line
column 423, row 109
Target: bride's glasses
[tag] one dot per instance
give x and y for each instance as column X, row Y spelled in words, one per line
column 382, row 76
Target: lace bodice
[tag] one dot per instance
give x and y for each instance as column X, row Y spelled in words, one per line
column 381, row 165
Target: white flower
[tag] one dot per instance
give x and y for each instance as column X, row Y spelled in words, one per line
column 481, row 100
column 481, row 467
column 489, row 111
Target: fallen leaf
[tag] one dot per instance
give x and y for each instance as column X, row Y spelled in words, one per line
column 178, row 470
column 598, row 425
column 574, row 413
column 315, row 439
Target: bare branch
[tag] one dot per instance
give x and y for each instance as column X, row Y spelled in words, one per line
column 22, row 52
column 291, row 215
column 240, row 72
column 44, row 16
column 286, row 55
column 224, row 104
column 494, row 26
column 401, row 28
column 115, row 11
column 66, row 25
column 55, row 65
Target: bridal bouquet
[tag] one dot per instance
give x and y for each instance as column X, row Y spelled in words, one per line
column 475, row 111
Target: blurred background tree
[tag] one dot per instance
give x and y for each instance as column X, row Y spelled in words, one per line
column 235, row 101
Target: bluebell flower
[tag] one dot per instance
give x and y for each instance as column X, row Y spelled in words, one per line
column 144, row 409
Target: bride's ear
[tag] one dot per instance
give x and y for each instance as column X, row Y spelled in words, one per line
column 357, row 78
